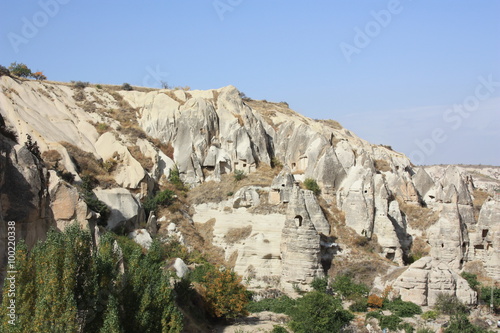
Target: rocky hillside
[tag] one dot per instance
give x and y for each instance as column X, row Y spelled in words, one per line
column 246, row 163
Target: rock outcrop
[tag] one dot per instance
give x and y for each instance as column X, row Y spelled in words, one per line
column 426, row 278
column 125, row 209
column 134, row 139
column 300, row 244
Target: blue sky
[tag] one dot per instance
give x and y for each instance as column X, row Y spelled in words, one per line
column 421, row 76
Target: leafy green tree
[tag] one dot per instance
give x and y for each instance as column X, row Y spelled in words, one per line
column 317, row 312
column 20, row 70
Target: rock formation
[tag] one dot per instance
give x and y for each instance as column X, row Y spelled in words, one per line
column 136, row 138
column 426, row 278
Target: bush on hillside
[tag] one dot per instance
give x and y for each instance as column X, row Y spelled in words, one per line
column 317, row 312
column 20, row 70
column 312, row 185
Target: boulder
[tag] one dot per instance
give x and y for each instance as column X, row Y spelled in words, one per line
column 426, row 278
column 246, row 196
column 66, row 204
column 125, row 210
column 141, row 237
column 180, row 267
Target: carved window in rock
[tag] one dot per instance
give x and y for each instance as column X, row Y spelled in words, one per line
column 298, row 221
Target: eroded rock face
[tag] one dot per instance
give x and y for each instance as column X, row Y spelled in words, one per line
column 24, row 197
column 448, row 237
column 485, row 239
column 300, row 245
column 66, row 204
column 426, row 278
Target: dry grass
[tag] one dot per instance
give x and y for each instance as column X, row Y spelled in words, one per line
column 418, row 217
column 268, row 110
column 146, row 162
column 361, row 270
column 234, row 235
column 166, row 148
column 331, row 123
column 218, row 191
column 480, row 197
column 382, row 165
column 419, row 248
column 232, row 259
column 199, row 236
column 87, row 164
column 51, row 158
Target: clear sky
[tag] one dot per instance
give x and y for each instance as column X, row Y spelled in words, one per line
column 422, row 76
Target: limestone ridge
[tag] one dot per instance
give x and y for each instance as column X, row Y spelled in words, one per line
column 207, row 134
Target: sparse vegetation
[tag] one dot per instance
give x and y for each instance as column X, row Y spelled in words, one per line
column 480, row 197
column 4, row 71
column 20, row 70
column 239, row 175
column 145, row 161
column 80, row 84
column 418, row 217
column 382, row 165
column 126, row 87
column 312, row 185
column 234, row 235
column 450, row 305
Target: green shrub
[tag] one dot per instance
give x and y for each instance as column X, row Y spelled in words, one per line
column 86, row 187
column 346, row 287
column 4, row 71
column 239, row 175
column 403, row 309
column 359, row 305
column 374, row 314
column 391, row 322
column 20, row 70
column 312, row 185
column 317, row 312
column 450, row 305
column 485, row 296
column 126, row 87
column 460, row 323
column 80, row 84
column 282, row 304
column 163, row 198
column 430, row 315
column 279, row 329
column 471, row 280
column 320, row 284
column 175, row 179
